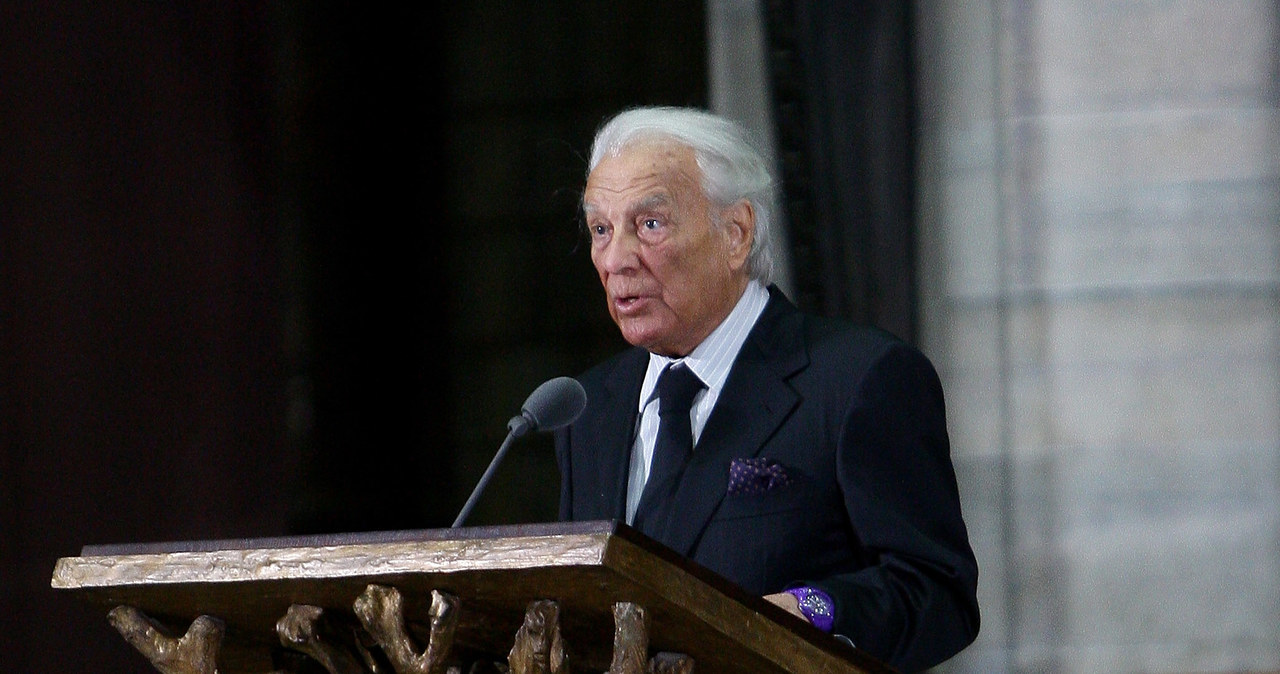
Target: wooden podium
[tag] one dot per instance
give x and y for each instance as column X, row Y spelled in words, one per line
column 580, row 597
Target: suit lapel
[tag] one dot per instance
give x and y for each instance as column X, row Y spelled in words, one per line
column 755, row 401
column 611, row 441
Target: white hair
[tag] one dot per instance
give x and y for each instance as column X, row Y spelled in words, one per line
column 732, row 167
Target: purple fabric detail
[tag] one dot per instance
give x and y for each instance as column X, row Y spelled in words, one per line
column 816, row 606
column 756, row 476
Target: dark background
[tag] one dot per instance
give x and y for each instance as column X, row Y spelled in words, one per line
column 288, row 268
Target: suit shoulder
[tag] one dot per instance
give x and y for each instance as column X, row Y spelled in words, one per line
column 846, row 349
column 842, row 335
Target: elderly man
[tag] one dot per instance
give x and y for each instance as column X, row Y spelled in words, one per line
column 802, row 458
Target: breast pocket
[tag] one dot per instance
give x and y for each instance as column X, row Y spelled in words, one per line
column 753, row 538
column 777, row 503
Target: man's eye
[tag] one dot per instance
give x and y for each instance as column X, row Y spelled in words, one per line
column 598, row 230
column 650, row 223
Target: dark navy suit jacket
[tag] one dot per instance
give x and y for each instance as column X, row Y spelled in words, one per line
column 869, row 511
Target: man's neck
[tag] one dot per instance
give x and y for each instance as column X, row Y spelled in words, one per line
column 732, row 301
column 731, row 331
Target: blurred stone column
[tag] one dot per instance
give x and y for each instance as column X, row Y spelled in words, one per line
column 1100, row 270
column 738, row 84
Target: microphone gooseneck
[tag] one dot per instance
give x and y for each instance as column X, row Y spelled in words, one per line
column 556, row 403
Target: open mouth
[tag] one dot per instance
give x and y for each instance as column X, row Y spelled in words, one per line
column 627, row 302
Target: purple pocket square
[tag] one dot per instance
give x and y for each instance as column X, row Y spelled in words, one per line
column 756, row 476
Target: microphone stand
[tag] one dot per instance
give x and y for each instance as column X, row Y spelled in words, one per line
column 556, row 403
column 517, row 429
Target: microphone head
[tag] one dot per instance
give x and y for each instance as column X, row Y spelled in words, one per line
column 556, row 403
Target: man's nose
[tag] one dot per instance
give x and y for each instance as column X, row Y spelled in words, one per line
column 620, row 254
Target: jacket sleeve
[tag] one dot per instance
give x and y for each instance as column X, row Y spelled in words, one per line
column 915, row 604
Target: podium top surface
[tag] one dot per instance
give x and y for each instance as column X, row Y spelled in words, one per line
column 495, row 572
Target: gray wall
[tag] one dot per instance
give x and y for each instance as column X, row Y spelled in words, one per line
column 1100, row 251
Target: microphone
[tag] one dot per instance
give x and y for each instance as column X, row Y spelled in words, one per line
column 556, row 403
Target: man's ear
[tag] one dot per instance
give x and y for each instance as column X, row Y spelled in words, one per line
column 740, row 230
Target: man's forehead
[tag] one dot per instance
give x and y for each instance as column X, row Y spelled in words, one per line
column 647, row 171
column 656, row 199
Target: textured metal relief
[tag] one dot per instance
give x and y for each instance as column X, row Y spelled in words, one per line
column 630, row 638
column 195, row 652
column 382, row 643
column 539, row 648
column 305, row 629
column 381, row 611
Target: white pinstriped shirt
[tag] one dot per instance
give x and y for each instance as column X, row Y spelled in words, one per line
column 711, row 361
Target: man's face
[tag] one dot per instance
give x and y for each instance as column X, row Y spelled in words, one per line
column 670, row 273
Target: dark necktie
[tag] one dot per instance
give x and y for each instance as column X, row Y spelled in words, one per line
column 677, row 386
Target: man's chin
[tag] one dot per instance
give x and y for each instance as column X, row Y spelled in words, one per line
column 637, row 339
column 640, row 335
